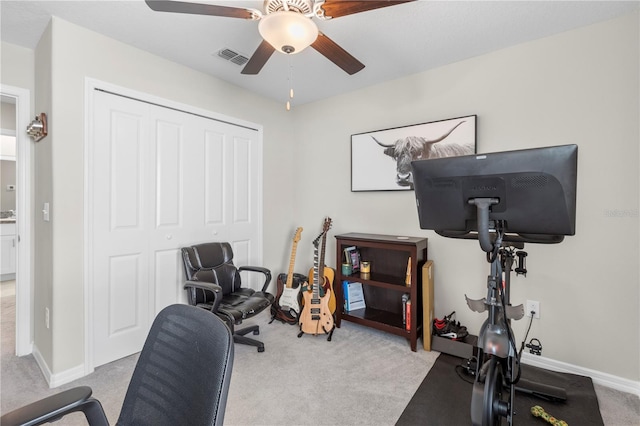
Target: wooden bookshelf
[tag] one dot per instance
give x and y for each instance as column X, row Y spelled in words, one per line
column 384, row 286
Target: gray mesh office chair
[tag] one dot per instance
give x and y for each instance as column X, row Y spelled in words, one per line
column 181, row 378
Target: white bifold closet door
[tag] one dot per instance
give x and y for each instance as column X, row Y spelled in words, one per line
column 161, row 179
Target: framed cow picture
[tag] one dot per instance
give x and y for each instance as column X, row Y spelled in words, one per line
column 381, row 160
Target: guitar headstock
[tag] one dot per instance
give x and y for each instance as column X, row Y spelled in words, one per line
column 326, row 225
column 317, row 240
column 296, row 237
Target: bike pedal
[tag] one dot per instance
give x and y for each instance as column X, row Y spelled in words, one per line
column 471, row 366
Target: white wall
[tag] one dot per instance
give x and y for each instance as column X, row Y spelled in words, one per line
column 16, row 66
column 43, row 192
column 8, row 116
column 578, row 87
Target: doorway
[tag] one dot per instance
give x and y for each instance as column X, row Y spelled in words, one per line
column 16, row 102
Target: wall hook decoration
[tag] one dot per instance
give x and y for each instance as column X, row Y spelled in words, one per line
column 37, row 129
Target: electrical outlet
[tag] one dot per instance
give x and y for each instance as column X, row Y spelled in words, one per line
column 46, row 317
column 533, row 306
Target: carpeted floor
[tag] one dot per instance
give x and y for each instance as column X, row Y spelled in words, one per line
column 362, row 377
column 444, row 398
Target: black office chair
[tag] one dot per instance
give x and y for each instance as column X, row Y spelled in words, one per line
column 209, row 269
column 181, row 378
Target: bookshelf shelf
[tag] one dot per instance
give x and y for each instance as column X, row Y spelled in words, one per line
column 384, row 286
column 380, row 280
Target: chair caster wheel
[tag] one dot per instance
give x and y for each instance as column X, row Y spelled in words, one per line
column 256, row 331
column 260, row 349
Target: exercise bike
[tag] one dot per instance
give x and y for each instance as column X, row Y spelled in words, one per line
column 504, row 200
column 498, row 368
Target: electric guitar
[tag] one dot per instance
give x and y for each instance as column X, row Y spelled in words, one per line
column 327, row 273
column 316, row 317
column 287, row 297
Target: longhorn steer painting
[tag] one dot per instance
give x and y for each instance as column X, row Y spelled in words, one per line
column 381, row 160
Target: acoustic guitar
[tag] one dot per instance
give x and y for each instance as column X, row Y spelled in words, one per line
column 287, row 305
column 316, row 317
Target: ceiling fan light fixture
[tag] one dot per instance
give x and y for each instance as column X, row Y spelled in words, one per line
column 287, row 31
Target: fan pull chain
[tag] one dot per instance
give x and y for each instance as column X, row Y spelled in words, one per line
column 290, row 86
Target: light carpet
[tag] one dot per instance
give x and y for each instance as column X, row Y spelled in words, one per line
column 361, row 377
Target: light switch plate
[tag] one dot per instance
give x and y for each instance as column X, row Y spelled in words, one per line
column 45, row 212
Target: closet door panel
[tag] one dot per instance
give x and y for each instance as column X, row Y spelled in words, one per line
column 162, row 179
column 168, row 173
column 215, row 177
column 119, row 252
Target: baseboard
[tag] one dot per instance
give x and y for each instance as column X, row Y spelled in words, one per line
column 57, row 379
column 42, row 364
column 27, row 350
column 598, row 377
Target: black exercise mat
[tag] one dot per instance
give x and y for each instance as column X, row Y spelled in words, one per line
column 444, row 398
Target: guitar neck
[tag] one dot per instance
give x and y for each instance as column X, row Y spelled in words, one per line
column 316, row 274
column 292, row 262
column 321, row 262
column 318, row 264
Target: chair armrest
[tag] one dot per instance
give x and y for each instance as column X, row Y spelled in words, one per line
column 213, row 288
column 57, row 406
column 264, row 271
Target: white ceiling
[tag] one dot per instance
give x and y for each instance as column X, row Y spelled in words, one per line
column 392, row 42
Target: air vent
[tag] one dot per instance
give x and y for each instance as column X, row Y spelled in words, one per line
column 239, row 60
column 233, row 56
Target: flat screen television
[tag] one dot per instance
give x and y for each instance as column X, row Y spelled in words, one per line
column 532, row 192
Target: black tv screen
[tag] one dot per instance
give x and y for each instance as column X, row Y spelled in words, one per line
column 535, row 190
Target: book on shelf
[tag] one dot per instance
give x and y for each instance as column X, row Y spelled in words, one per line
column 353, row 296
column 352, row 256
column 347, row 254
column 405, row 301
column 407, row 279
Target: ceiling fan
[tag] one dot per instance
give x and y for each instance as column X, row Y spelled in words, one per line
column 286, row 26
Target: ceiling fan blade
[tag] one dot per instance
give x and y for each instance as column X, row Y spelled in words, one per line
column 199, row 9
column 337, row 54
column 259, row 58
column 338, row 8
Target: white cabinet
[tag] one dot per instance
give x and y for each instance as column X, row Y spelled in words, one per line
column 7, row 251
